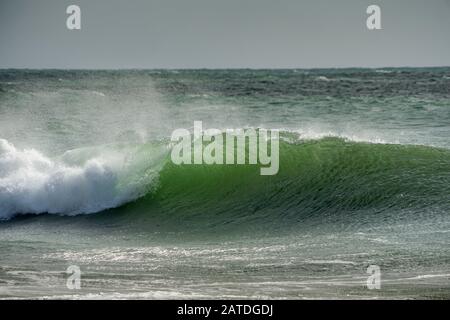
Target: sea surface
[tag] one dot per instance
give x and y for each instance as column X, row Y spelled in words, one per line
column 86, row 180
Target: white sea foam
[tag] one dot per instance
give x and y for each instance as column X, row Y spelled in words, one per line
column 77, row 183
column 322, row 78
column 98, row 93
column 316, row 133
column 383, row 71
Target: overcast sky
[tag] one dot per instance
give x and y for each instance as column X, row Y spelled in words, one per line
column 223, row 34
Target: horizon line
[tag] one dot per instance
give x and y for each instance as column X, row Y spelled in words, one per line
column 220, row 68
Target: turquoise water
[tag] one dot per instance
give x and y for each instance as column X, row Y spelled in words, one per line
column 86, row 179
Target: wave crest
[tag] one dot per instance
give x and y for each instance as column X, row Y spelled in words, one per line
column 81, row 181
column 324, row 176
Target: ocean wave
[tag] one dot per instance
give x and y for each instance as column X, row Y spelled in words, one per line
column 319, row 176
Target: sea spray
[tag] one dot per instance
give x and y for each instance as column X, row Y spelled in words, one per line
column 81, row 181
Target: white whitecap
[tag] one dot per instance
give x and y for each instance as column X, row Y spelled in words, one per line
column 32, row 183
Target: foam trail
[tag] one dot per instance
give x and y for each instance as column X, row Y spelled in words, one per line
column 30, row 182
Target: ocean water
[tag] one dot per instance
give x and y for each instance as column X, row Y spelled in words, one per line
column 86, row 179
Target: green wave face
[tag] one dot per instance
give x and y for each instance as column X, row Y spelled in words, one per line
column 320, row 181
